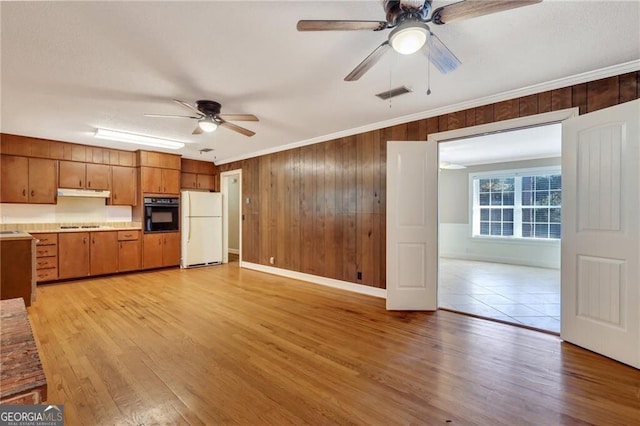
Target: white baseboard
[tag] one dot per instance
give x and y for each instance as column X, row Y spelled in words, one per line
column 233, row 251
column 315, row 279
column 530, row 262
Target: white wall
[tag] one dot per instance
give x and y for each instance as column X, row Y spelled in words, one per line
column 67, row 210
column 455, row 240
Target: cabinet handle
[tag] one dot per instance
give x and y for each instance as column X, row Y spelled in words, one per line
column 89, row 184
column 84, row 240
column 80, row 182
column 159, row 241
column 115, row 196
column 93, row 240
column 128, row 235
column 33, row 192
column 24, row 192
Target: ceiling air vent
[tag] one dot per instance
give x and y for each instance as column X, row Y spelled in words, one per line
column 206, row 150
column 393, row 93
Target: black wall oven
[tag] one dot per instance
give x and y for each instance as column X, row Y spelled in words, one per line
column 161, row 214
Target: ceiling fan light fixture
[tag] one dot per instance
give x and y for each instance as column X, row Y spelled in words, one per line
column 207, row 124
column 409, row 37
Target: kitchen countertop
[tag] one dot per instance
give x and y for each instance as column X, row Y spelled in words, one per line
column 11, row 235
column 31, row 228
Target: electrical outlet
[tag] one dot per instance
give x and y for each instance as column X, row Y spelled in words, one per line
column 359, row 275
column 272, row 260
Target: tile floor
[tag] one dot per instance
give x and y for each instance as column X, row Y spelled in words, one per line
column 517, row 294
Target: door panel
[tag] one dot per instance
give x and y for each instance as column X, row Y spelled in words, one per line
column 412, row 223
column 601, row 232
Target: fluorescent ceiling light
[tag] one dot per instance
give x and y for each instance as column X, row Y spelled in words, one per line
column 409, row 37
column 207, row 124
column 114, row 135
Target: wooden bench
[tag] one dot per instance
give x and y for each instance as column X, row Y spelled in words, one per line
column 22, row 379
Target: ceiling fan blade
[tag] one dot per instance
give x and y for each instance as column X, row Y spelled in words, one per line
column 197, row 131
column 238, row 129
column 238, row 117
column 189, row 107
column 324, row 25
column 169, row 116
column 368, row 62
column 474, row 8
column 440, row 55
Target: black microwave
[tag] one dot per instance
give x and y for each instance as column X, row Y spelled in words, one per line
column 161, row 214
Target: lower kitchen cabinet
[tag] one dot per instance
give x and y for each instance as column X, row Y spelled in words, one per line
column 73, row 254
column 129, row 251
column 104, row 253
column 161, row 249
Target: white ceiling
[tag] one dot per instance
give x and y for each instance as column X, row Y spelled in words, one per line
column 70, row 67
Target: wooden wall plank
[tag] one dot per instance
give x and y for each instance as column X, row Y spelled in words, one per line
column 602, row 93
column 470, row 117
column 319, row 210
column 417, row 130
column 331, row 231
column 579, row 97
column 528, row 105
column 628, row 87
column 280, row 237
column 293, row 207
column 544, row 102
column 507, row 110
column 485, row 114
column 265, row 237
column 443, row 123
column 456, row 120
column 433, row 125
column 307, row 198
column 399, row 132
column 561, row 99
column 349, row 208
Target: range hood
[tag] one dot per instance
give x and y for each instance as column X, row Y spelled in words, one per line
column 87, row 193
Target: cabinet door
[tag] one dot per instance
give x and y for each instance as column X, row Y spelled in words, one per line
column 73, row 254
column 42, row 181
column 152, row 250
column 170, row 181
column 97, row 176
column 151, row 179
column 14, row 183
column 129, row 255
column 104, row 252
column 188, row 180
column 205, row 182
column 123, row 186
column 171, row 251
column 72, row 174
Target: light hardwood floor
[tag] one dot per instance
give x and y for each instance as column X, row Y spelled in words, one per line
column 220, row 345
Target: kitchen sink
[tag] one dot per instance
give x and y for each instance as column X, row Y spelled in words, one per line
column 9, row 232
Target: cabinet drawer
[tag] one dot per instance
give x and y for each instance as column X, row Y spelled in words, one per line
column 47, row 274
column 46, row 262
column 128, row 235
column 45, row 251
column 46, row 239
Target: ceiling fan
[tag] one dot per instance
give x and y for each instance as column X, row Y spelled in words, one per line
column 408, row 20
column 209, row 118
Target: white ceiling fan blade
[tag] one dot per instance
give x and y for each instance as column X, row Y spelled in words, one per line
column 440, row 55
column 473, row 8
column 368, row 62
column 169, row 116
column 189, row 107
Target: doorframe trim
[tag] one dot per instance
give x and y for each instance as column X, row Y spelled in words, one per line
column 224, row 176
column 501, row 126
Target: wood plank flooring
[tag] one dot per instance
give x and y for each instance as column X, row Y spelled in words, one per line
column 221, row 345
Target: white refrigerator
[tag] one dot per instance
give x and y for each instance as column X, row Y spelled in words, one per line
column 201, row 226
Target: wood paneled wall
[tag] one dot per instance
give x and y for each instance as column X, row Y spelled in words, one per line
column 320, row 209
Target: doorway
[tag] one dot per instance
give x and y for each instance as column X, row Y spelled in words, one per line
column 500, row 197
column 231, row 189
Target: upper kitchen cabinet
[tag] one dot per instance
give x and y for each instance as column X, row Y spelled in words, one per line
column 159, row 172
column 28, row 180
column 123, row 186
column 83, row 175
column 196, row 174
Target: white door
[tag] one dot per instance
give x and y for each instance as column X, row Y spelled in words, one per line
column 412, row 225
column 601, row 232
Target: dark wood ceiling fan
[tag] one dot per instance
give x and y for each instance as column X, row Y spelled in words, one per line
column 408, row 21
column 209, row 117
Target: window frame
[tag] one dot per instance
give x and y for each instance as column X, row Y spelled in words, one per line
column 474, row 202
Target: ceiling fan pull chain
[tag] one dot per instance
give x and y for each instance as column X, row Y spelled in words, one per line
column 429, row 73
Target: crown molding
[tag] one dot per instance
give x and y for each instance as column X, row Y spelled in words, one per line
column 461, row 106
